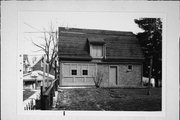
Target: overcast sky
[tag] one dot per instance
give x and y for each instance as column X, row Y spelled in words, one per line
column 34, row 22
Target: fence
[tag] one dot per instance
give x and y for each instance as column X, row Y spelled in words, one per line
column 32, row 102
column 47, row 96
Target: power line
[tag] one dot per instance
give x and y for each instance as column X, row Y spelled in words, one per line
column 32, row 26
column 34, row 54
column 40, row 31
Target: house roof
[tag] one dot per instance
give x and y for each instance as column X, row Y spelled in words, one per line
column 74, row 43
column 25, row 59
column 97, row 41
column 37, row 60
column 29, row 76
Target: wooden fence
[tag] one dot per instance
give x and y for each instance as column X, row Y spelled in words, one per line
column 32, row 103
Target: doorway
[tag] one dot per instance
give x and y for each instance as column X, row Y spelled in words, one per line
column 113, row 75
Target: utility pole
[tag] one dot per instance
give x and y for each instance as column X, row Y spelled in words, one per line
column 48, row 83
column 150, row 72
column 44, row 71
column 55, row 69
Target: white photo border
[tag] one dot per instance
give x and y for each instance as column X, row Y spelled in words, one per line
column 20, row 7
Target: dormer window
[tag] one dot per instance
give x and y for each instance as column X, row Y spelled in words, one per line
column 97, row 51
column 96, row 47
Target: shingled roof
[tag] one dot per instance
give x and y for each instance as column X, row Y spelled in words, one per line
column 74, row 44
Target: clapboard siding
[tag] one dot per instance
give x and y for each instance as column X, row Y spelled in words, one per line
column 79, row 79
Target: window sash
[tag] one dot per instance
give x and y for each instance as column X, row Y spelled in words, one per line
column 84, row 72
column 97, row 51
column 73, row 72
column 130, row 67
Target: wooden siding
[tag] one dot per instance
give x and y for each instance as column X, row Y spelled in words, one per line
column 67, row 79
column 125, row 78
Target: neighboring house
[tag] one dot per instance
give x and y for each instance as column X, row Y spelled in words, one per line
column 32, row 80
column 38, row 65
column 87, row 54
column 26, row 64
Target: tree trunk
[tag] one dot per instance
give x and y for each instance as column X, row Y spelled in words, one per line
column 150, row 72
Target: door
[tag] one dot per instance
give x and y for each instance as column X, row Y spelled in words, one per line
column 113, row 75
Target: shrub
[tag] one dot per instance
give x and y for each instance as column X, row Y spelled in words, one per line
column 98, row 79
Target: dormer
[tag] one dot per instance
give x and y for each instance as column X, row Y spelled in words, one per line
column 97, row 48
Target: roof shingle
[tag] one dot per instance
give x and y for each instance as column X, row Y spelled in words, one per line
column 74, row 43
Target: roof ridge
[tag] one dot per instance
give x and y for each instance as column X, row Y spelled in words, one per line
column 39, row 72
column 95, row 31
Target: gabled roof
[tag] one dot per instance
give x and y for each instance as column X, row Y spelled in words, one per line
column 29, row 77
column 74, row 44
column 37, row 60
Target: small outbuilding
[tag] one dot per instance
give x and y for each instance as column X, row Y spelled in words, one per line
column 86, row 56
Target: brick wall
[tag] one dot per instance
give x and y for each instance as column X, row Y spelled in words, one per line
column 130, row 78
column 125, row 78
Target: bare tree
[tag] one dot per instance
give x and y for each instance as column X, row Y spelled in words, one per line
column 98, row 79
column 49, row 45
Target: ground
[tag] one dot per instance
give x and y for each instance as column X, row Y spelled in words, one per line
column 121, row 99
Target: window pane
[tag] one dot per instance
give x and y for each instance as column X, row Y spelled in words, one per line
column 74, row 72
column 85, row 72
column 129, row 67
column 93, row 51
column 97, row 51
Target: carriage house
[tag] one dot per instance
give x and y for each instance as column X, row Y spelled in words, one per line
column 86, row 55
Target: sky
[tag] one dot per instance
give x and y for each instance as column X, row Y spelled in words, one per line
column 34, row 22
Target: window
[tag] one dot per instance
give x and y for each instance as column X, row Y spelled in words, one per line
column 97, row 51
column 73, row 72
column 85, row 72
column 130, row 67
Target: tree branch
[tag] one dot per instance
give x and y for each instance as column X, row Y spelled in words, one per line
column 39, row 46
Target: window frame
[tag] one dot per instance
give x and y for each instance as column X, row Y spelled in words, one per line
column 92, row 49
column 83, row 72
column 128, row 67
column 72, row 72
